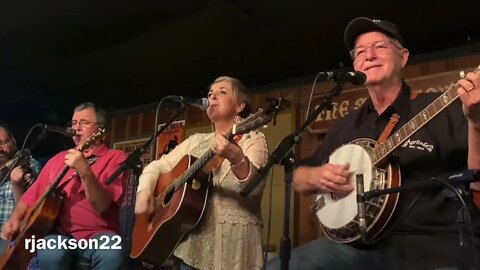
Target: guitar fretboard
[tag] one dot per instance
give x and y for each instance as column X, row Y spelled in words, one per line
column 189, row 174
column 380, row 152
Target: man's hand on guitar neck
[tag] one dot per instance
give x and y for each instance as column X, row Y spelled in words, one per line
column 77, row 161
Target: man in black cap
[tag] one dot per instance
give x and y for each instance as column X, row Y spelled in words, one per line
column 422, row 232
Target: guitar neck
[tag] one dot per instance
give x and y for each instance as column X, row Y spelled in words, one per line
column 52, row 187
column 381, row 152
column 189, row 174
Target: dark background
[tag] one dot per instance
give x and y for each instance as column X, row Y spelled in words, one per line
column 119, row 54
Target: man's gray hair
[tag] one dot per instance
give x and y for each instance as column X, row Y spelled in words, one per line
column 99, row 112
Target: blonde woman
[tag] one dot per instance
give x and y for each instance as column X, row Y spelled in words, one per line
column 229, row 233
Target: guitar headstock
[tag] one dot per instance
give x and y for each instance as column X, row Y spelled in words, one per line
column 91, row 140
column 260, row 118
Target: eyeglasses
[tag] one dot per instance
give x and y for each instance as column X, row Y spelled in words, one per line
column 381, row 46
column 81, row 123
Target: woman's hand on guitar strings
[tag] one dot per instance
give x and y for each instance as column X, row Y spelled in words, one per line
column 144, row 203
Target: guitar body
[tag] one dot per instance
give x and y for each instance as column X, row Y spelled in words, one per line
column 36, row 222
column 155, row 236
column 338, row 216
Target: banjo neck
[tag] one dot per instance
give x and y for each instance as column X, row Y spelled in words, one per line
column 381, row 151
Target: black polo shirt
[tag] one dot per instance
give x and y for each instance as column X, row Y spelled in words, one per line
column 437, row 148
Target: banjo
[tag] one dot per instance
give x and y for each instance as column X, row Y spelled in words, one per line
column 338, row 216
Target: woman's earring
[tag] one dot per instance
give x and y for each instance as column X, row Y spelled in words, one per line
column 237, row 119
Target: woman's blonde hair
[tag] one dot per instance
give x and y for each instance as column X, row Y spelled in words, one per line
column 239, row 91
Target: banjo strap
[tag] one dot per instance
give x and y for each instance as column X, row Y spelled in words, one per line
column 388, row 129
column 393, row 121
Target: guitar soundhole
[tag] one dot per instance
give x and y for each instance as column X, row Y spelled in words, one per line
column 168, row 196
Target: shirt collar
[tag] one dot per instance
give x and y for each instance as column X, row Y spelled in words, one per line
column 398, row 106
column 99, row 150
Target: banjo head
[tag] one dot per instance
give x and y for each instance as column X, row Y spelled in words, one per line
column 338, row 211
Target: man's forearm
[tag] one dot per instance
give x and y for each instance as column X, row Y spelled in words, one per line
column 19, row 210
column 96, row 195
column 301, row 182
column 17, row 191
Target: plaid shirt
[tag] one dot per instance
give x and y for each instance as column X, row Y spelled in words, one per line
column 7, row 200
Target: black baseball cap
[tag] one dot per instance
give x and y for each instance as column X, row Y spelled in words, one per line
column 362, row 25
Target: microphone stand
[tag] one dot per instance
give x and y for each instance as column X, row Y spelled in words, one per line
column 283, row 155
column 461, row 189
column 463, row 262
column 134, row 165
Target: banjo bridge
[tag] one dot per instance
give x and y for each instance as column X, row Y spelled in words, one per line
column 318, row 204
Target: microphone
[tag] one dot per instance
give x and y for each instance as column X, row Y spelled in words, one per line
column 66, row 131
column 362, row 223
column 354, row 77
column 201, row 103
column 461, row 177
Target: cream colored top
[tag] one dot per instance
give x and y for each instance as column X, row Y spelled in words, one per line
column 228, row 236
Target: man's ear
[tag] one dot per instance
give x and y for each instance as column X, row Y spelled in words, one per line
column 404, row 54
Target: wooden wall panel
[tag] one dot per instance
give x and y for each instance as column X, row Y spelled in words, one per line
column 147, row 123
column 132, row 128
column 120, row 128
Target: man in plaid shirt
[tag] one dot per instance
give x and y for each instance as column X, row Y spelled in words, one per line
column 13, row 182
